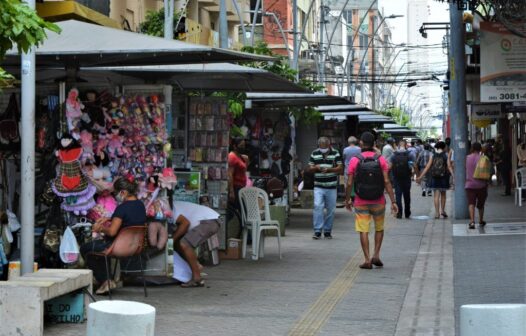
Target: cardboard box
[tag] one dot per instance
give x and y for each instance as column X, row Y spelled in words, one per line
column 233, row 251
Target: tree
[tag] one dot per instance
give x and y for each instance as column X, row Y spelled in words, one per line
column 154, row 23
column 20, row 25
column 398, row 115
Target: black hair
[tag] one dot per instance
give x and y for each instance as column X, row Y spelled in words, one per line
column 476, row 147
column 440, row 145
column 122, row 183
column 367, row 139
column 234, row 143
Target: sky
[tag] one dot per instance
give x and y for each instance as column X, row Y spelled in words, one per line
column 439, row 12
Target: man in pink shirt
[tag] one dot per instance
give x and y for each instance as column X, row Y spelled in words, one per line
column 476, row 190
column 368, row 174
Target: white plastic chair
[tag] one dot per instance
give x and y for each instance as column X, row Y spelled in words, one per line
column 251, row 216
column 520, row 185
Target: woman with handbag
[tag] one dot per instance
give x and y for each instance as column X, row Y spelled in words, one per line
column 478, row 175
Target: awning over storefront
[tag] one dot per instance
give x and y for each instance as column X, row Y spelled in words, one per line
column 344, row 108
column 82, row 44
column 190, row 77
column 293, row 99
column 55, row 11
column 207, row 77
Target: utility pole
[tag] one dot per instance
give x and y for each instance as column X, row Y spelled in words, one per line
column 28, row 159
column 169, row 19
column 373, row 55
column 295, row 52
column 457, row 92
column 223, row 25
column 322, row 48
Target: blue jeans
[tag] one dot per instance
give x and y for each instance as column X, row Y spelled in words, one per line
column 324, row 199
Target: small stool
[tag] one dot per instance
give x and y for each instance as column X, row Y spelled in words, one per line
column 120, row 318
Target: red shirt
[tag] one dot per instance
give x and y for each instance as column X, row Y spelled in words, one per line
column 240, row 169
column 353, row 166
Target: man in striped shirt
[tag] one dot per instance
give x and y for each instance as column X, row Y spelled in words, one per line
column 326, row 164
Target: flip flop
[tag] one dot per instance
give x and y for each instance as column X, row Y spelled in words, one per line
column 472, row 225
column 366, row 265
column 377, row 262
column 193, row 283
column 482, row 223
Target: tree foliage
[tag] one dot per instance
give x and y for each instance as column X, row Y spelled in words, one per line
column 20, row 25
column 154, row 23
column 398, row 115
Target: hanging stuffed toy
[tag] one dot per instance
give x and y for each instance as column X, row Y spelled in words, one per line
column 71, row 184
column 86, row 140
column 73, row 109
column 115, row 145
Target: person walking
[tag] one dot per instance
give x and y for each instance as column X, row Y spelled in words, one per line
column 440, row 170
column 326, row 164
column 368, row 174
column 388, row 149
column 504, row 166
column 420, row 165
column 401, row 164
column 349, row 152
column 476, row 187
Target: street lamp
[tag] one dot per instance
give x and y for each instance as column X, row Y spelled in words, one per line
column 392, row 16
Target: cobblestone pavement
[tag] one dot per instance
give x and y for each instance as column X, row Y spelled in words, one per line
column 317, row 288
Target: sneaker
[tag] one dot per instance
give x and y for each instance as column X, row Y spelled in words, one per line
column 399, row 216
column 423, row 194
column 317, row 235
column 327, row 235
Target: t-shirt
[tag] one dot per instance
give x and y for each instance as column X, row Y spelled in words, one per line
column 330, row 160
column 240, row 169
column 131, row 213
column 195, row 213
column 387, row 152
column 353, row 166
column 350, row 152
column 471, row 164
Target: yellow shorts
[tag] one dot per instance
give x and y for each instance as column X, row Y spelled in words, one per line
column 364, row 214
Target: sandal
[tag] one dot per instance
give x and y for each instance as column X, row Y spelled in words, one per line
column 444, row 214
column 472, row 225
column 193, row 283
column 482, row 223
column 366, row 265
column 377, row 262
column 437, row 217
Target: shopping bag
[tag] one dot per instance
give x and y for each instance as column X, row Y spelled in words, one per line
column 14, row 224
column 182, row 271
column 69, row 249
column 483, row 169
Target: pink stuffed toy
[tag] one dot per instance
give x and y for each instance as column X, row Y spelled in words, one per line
column 86, row 140
column 73, row 109
column 105, row 207
column 102, row 143
column 115, row 146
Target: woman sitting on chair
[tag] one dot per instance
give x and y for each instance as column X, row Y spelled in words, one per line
column 130, row 212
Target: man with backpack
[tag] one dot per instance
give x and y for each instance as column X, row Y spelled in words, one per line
column 368, row 174
column 401, row 164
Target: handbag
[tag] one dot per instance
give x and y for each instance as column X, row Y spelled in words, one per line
column 483, row 169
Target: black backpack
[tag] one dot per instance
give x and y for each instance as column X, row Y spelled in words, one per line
column 400, row 165
column 438, row 166
column 369, row 179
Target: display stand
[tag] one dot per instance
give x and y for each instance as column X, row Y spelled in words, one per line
column 208, row 141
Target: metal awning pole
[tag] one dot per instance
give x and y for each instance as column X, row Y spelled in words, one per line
column 27, row 198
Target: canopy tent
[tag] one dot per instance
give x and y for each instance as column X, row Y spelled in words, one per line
column 258, row 99
column 344, row 108
column 82, row 44
column 397, row 132
column 190, row 77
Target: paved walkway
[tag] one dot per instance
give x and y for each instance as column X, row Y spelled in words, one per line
column 317, row 288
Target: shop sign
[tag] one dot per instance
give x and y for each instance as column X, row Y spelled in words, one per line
column 503, row 64
column 486, row 111
column 68, row 308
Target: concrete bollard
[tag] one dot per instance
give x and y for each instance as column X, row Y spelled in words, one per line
column 493, row 319
column 120, row 318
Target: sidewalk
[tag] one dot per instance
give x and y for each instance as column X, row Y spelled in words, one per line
column 489, row 263
column 317, row 288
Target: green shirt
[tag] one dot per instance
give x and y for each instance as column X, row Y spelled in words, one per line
column 329, row 160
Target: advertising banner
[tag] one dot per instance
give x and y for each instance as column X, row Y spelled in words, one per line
column 486, row 111
column 503, row 64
